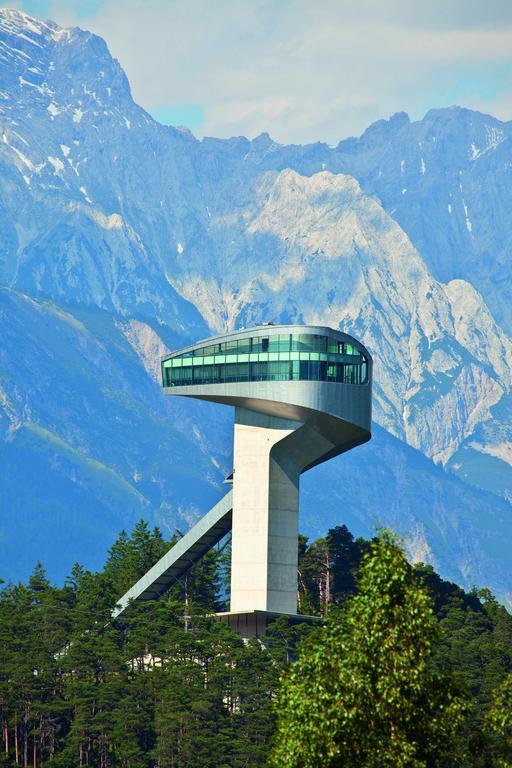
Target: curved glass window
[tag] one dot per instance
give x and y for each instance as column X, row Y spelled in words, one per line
column 283, row 357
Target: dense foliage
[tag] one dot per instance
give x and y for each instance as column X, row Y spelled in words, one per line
column 364, row 692
column 170, row 687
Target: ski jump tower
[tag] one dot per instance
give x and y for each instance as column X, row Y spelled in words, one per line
column 302, row 395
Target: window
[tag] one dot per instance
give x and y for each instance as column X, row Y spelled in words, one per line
column 295, row 370
column 244, row 346
column 277, row 357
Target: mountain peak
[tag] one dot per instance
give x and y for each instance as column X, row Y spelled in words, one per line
column 385, row 127
column 263, row 139
column 457, row 113
column 16, row 22
column 56, row 71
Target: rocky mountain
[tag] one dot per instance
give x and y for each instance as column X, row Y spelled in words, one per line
column 122, row 237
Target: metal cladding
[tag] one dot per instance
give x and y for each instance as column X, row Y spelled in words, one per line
column 335, row 416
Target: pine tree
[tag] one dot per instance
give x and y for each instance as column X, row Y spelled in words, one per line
column 327, row 570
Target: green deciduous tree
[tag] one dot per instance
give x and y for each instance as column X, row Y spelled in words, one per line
column 364, row 693
column 499, row 720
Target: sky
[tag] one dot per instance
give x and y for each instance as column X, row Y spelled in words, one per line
column 302, row 70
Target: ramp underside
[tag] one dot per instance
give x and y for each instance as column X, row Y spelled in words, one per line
column 182, row 556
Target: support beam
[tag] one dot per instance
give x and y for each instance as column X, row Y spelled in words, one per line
column 183, row 555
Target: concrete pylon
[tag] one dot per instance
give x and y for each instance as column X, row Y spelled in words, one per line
column 265, row 516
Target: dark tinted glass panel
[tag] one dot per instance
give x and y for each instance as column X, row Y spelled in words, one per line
column 304, row 370
column 279, row 371
column 295, row 370
column 244, row 346
column 229, row 372
column 284, row 342
column 273, row 344
column 182, row 375
column 309, row 342
column 259, row 371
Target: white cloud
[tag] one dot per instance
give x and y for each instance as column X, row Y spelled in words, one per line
column 305, row 70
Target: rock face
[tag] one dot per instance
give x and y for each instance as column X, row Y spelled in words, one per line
column 122, row 237
column 451, row 168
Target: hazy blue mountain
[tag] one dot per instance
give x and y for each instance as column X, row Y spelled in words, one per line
column 121, row 237
column 452, row 168
column 87, row 440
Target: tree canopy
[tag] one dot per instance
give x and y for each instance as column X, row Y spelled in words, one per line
column 364, row 692
column 171, row 687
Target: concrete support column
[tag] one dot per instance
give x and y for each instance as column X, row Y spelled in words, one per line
column 265, row 516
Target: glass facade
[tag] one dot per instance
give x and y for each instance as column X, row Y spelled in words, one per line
column 283, row 357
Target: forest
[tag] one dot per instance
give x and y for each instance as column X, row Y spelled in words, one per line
column 169, row 686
